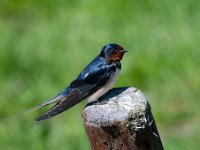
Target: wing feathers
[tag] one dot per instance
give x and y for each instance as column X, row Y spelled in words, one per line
column 74, row 97
column 92, row 78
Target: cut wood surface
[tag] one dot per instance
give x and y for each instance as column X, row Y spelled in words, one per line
column 121, row 120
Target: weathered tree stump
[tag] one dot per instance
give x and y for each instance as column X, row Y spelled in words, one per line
column 121, row 120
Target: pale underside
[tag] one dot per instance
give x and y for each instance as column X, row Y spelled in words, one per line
column 104, row 89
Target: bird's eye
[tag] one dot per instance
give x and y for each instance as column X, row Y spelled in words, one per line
column 115, row 50
column 112, row 50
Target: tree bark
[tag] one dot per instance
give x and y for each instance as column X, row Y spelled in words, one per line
column 121, row 120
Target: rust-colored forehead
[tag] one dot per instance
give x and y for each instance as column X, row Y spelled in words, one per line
column 120, row 47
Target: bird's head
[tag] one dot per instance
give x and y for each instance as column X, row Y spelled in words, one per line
column 112, row 52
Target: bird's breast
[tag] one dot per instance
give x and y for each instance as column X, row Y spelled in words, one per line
column 104, row 89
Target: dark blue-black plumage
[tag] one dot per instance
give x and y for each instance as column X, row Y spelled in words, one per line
column 93, row 77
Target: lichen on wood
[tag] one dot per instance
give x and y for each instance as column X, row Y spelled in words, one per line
column 121, row 119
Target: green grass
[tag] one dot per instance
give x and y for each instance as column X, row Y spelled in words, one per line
column 45, row 44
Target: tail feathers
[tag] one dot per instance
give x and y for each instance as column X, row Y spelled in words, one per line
column 56, row 99
column 74, row 97
column 48, row 102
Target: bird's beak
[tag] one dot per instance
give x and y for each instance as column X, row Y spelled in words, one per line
column 123, row 51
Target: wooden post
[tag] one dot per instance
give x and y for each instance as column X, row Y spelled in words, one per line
column 121, row 120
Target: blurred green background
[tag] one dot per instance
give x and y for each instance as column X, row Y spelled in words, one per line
column 45, row 44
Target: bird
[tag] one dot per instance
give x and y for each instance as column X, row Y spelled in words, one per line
column 95, row 80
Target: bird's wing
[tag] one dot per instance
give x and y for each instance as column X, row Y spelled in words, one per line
column 81, row 89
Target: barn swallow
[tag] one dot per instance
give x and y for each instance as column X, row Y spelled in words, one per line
column 95, row 80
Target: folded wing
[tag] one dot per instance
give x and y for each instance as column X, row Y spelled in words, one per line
column 80, row 89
